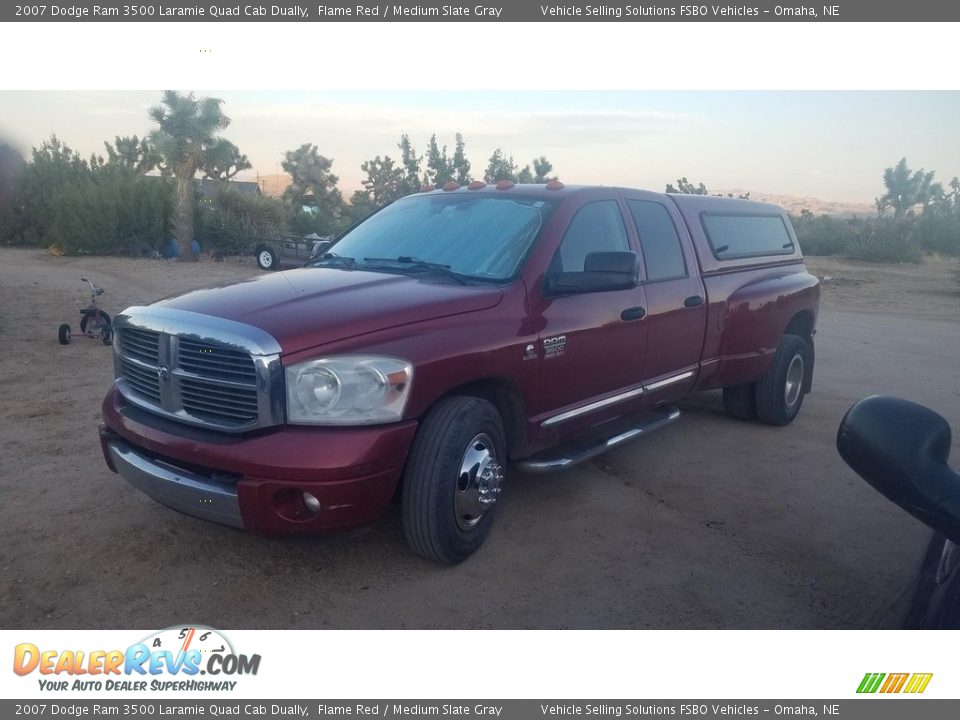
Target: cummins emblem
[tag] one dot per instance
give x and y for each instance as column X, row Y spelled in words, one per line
column 554, row 346
column 163, row 373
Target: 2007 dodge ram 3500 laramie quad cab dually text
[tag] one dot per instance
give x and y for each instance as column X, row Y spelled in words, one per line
column 450, row 333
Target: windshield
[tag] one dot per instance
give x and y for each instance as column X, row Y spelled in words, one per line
column 486, row 238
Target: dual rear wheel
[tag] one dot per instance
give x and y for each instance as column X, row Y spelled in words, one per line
column 776, row 398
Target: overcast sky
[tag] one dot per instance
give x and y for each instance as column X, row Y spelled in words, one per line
column 830, row 145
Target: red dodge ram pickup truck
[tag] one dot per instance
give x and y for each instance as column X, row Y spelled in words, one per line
column 450, row 333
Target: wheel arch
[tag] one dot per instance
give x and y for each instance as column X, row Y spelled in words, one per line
column 506, row 397
column 802, row 325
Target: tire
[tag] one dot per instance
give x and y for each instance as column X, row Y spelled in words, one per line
column 741, row 401
column 63, row 335
column 780, row 392
column 453, row 479
column 267, row 258
column 87, row 319
column 107, row 336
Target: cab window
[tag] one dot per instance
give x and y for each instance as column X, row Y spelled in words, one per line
column 597, row 227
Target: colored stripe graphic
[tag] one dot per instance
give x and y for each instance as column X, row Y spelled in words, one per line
column 894, row 683
column 918, row 682
column 870, row 682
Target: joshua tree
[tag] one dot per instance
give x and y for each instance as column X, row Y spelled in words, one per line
column 188, row 128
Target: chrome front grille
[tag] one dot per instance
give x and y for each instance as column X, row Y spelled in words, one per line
column 142, row 380
column 211, row 360
column 221, row 404
column 143, row 345
column 198, row 369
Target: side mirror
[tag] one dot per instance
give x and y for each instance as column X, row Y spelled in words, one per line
column 901, row 449
column 320, row 247
column 602, row 271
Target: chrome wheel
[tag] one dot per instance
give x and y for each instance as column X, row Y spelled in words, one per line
column 794, row 383
column 478, row 483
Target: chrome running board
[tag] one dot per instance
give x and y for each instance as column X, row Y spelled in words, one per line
column 582, row 450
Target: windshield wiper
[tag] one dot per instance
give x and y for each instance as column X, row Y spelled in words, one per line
column 407, row 262
column 332, row 260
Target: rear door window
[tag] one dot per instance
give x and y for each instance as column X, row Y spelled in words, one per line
column 740, row 235
column 662, row 254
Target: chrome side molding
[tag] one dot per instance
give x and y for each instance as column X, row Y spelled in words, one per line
column 583, row 409
column 614, row 399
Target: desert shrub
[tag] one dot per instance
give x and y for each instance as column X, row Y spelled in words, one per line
column 938, row 229
column 108, row 212
column 887, row 241
column 233, row 222
column 84, row 207
column 823, row 234
column 36, row 191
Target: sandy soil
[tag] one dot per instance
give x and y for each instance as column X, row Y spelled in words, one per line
column 711, row 523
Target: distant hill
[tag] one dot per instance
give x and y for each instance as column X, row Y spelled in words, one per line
column 794, row 204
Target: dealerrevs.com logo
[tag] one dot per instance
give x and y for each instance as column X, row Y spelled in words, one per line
column 172, row 659
column 891, row 683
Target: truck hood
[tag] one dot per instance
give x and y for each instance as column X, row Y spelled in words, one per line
column 313, row 306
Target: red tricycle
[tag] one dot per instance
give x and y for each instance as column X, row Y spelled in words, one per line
column 94, row 322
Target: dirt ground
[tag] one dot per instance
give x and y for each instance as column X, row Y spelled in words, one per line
column 712, row 523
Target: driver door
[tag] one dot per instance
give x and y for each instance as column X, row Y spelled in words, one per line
column 593, row 343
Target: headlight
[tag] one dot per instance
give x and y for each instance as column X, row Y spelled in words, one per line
column 348, row 390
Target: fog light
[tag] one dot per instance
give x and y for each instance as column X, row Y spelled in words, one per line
column 313, row 505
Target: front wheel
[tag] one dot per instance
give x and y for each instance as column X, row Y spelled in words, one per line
column 780, row 392
column 267, row 258
column 453, row 479
column 63, row 334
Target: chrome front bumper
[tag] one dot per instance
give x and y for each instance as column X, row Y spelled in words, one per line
column 176, row 488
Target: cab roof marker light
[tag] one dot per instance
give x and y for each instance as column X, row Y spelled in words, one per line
column 426, row 187
column 505, row 184
column 555, row 185
column 476, row 185
column 451, row 186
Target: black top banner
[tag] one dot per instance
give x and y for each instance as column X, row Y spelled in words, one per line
column 485, row 11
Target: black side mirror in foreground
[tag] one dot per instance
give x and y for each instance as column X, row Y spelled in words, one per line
column 901, row 448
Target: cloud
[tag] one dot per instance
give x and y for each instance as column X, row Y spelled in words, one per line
column 477, row 125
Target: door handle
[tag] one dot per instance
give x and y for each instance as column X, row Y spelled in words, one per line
column 693, row 301
column 634, row 313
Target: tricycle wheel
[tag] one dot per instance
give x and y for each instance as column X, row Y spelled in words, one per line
column 453, row 479
column 98, row 326
column 107, row 336
column 64, row 334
